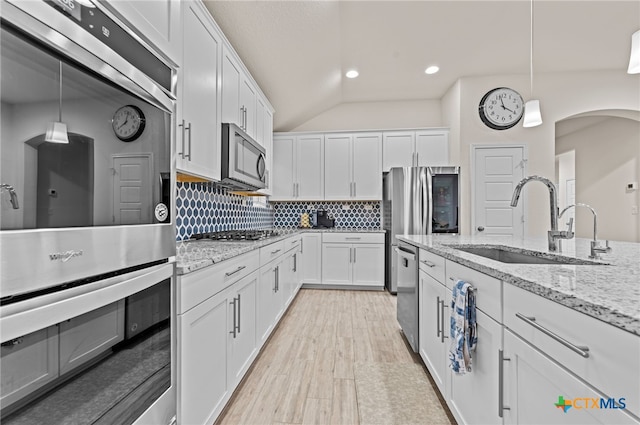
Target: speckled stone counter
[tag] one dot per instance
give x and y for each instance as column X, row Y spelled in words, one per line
column 610, row 292
column 194, row 255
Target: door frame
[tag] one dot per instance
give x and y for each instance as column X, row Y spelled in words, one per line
column 472, row 161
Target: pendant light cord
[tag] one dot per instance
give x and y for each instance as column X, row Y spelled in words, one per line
column 531, row 54
column 60, row 96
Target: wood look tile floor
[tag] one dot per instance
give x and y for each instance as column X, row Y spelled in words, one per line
column 305, row 373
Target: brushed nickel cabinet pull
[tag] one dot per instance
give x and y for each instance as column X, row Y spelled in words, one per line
column 188, row 128
column 183, row 138
column 442, row 334
column 428, row 263
column 239, row 305
column 235, row 271
column 501, row 360
column 233, row 331
column 438, row 317
column 581, row 350
column 275, row 252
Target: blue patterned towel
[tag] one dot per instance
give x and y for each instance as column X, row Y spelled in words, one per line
column 463, row 327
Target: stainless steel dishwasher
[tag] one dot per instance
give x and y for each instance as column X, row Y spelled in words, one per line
column 408, row 292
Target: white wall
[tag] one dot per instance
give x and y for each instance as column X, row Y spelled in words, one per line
column 376, row 115
column 561, row 96
column 607, row 156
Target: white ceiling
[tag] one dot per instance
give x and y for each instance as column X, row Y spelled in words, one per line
column 298, row 51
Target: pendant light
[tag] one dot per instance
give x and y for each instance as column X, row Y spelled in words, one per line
column 57, row 131
column 532, row 116
column 634, row 60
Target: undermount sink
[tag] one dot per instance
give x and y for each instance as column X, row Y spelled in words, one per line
column 506, row 255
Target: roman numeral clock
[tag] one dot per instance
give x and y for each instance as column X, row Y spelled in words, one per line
column 501, row 108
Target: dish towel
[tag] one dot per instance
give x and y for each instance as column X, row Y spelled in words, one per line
column 463, row 327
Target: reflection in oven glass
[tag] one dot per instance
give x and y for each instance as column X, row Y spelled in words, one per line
column 88, row 370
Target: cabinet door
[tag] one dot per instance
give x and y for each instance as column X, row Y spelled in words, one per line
column 367, row 166
column 89, row 335
column 474, row 396
column 533, row 387
column 268, row 146
column 397, row 149
column 433, row 346
column 283, row 172
column 242, row 342
column 231, row 73
column 311, row 258
column 432, row 147
column 336, row 263
column 248, row 105
column 156, row 20
column 197, row 146
column 28, row 363
column 202, row 360
column 261, row 110
column 338, row 179
column 265, row 304
column 368, row 264
column 310, row 167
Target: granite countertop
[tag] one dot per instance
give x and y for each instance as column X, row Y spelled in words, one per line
column 609, row 292
column 192, row 255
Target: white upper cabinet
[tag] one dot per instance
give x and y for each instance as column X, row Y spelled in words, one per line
column 415, row 148
column 197, row 142
column 264, row 133
column 298, row 167
column 239, row 95
column 157, row 22
column 353, row 166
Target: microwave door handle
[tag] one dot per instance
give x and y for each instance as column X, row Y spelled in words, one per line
column 261, row 167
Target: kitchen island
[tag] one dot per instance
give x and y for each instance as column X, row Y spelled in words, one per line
column 550, row 335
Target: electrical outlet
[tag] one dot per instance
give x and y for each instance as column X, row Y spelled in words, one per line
column 634, row 210
column 345, row 207
column 368, row 207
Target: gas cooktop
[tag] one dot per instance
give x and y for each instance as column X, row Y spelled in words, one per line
column 236, row 235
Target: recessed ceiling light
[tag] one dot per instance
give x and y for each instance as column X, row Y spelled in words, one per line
column 432, row 70
column 352, row 73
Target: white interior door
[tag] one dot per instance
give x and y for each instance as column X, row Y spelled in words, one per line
column 132, row 189
column 497, row 171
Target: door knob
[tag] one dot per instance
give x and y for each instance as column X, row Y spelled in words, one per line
column 480, row 228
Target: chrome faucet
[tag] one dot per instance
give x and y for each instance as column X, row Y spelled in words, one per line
column 554, row 234
column 12, row 194
column 595, row 248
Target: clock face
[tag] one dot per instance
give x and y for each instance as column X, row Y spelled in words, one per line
column 501, row 108
column 128, row 123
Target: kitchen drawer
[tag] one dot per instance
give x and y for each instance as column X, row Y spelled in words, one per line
column 488, row 289
column 292, row 242
column 353, row 237
column 271, row 252
column 612, row 365
column 194, row 288
column 432, row 264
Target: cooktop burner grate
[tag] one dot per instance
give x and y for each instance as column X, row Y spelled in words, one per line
column 236, row 235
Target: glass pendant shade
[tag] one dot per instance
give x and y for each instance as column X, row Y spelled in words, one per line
column 634, row 60
column 56, row 133
column 532, row 116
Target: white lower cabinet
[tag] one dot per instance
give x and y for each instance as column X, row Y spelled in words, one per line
column 28, row 363
column 202, row 360
column 242, row 336
column 433, row 309
column 535, row 385
column 355, row 259
column 311, row 258
column 270, row 298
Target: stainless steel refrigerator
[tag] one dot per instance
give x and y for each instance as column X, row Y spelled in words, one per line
column 417, row 201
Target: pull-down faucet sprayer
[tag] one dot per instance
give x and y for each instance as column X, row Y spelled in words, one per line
column 12, row 194
column 554, row 234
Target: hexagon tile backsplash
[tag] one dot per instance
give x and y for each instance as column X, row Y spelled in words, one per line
column 351, row 215
column 207, row 207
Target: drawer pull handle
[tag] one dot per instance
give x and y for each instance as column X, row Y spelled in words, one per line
column 276, row 251
column 235, row 271
column 583, row 351
column 353, row 238
column 428, row 263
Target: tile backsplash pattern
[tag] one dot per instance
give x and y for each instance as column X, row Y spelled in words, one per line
column 359, row 215
column 207, row 207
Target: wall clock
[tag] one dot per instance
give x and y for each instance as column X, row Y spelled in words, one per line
column 128, row 123
column 501, row 108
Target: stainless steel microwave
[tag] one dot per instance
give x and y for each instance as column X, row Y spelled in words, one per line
column 243, row 160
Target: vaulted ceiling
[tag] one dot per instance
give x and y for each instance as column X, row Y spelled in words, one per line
column 298, row 51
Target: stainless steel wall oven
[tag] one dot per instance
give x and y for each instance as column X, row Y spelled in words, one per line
column 87, row 239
